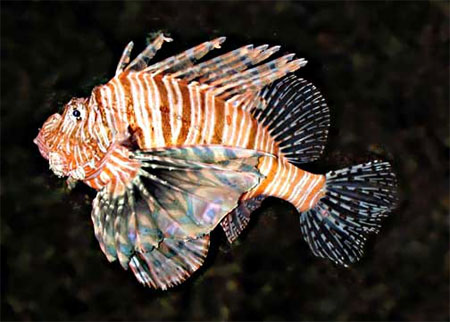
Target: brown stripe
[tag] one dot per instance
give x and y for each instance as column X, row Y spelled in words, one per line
column 150, row 99
column 186, row 114
column 252, row 135
column 165, row 109
column 124, row 83
column 219, row 119
column 319, row 185
column 200, row 115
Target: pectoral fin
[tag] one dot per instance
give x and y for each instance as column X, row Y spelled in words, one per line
column 178, row 195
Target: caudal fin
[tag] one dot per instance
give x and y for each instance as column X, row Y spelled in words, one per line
column 354, row 202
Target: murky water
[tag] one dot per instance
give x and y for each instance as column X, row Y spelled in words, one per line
column 383, row 68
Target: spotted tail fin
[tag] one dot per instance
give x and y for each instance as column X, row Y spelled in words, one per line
column 354, row 201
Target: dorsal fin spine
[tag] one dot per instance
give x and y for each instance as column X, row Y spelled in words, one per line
column 125, row 58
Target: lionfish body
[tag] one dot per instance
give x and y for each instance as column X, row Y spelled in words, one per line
column 176, row 148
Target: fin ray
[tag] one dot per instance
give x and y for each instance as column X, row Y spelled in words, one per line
column 355, row 201
column 125, row 58
column 142, row 60
column 181, row 199
column 236, row 221
column 171, row 264
column 185, row 58
column 297, row 117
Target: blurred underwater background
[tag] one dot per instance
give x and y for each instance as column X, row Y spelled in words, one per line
column 383, row 68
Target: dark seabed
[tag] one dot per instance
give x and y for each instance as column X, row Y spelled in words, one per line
column 384, row 70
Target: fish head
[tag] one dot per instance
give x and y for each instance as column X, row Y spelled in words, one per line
column 66, row 141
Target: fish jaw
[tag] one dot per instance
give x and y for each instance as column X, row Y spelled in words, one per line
column 57, row 164
column 47, row 131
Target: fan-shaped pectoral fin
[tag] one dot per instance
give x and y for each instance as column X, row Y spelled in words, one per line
column 157, row 223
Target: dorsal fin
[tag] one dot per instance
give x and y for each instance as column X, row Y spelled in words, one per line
column 125, row 58
column 142, row 60
column 227, row 64
column 236, row 75
column 296, row 116
column 186, row 58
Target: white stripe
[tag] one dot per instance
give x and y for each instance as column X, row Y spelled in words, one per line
column 292, row 183
column 102, row 139
column 233, row 125
column 179, row 111
column 136, row 105
column 250, row 126
column 198, row 125
column 299, row 186
column 108, row 107
column 121, row 163
column 241, row 127
column 77, row 155
column 116, row 105
column 278, row 179
column 308, row 191
column 121, row 103
column 156, row 114
column 287, row 180
column 212, row 110
column 206, row 112
column 104, row 177
column 114, row 171
column 313, row 199
column 192, row 97
column 171, row 106
column 143, row 110
column 97, row 182
column 258, row 140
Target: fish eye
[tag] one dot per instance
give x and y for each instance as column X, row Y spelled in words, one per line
column 76, row 113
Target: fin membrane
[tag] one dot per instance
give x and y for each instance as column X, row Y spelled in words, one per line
column 143, row 59
column 355, row 201
column 186, row 58
column 235, row 222
column 233, row 75
column 179, row 194
column 297, row 117
column 171, row 263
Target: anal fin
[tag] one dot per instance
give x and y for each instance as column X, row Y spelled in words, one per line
column 235, row 222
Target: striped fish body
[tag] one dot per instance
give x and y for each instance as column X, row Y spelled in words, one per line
column 164, row 112
column 178, row 147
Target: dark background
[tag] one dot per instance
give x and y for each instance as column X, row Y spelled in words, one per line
column 384, row 69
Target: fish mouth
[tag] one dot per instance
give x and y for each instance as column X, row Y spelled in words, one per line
column 47, row 131
column 57, row 164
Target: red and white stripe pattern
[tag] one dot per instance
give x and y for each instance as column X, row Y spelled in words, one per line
column 159, row 109
column 163, row 111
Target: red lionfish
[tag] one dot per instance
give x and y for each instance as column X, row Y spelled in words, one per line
column 177, row 147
